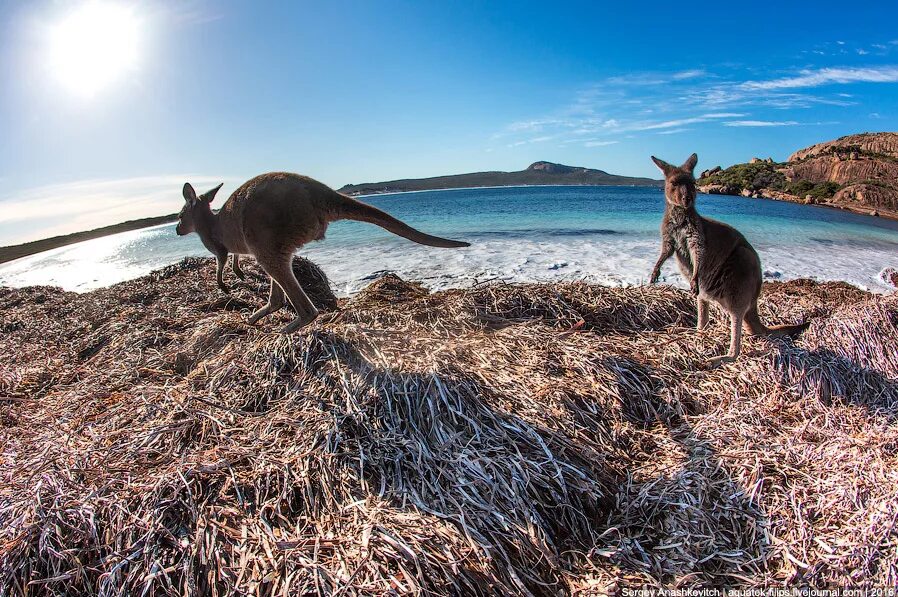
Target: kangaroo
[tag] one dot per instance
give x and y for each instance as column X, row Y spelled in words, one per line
column 271, row 216
column 719, row 262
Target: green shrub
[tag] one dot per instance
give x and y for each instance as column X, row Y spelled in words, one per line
column 799, row 187
column 803, row 188
column 754, row 177
column 763, row 175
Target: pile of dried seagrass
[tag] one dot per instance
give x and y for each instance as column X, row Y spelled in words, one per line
column 524, row 439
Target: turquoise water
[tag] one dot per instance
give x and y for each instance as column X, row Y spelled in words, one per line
column 601, row 234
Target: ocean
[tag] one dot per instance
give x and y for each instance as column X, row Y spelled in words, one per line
column 607, row 235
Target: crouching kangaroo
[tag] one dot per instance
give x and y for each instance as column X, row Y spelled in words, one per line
column 271, row 216
column 720, row 264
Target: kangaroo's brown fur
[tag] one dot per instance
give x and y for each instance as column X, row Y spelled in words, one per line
column 271, row 216
column 720, row 264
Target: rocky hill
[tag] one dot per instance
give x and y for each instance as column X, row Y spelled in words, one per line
column 856, row 172
column 538, row 173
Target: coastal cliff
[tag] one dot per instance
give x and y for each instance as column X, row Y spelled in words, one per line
column 856, row 172
column 544, row 439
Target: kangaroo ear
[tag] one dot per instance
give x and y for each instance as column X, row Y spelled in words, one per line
column 189, row 193
column 664, row 166
column 689, row 164
column 208, row 196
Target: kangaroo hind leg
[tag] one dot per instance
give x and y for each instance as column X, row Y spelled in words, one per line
column 735, row 341
column 282, row 273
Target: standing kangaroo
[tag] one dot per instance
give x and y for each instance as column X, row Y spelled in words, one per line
column 271, row 216
column 720, row 264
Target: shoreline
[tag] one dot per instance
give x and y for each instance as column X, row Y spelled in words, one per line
column 11, row 253
column 887, row 280
column 787, row 198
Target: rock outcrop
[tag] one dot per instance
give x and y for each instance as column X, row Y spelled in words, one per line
column 856, row 172
column 868, row 143
column 553, row 168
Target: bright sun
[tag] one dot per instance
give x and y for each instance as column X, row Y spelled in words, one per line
column 93, row 45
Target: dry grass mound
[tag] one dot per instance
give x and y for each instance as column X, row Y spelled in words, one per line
column 556, row 439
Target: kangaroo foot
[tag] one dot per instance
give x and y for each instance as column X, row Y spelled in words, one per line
column 224, row 288
column 718, row 361
column 300, row 322
column 259, row 314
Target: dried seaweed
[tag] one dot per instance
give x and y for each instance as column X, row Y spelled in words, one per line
column 503, row 439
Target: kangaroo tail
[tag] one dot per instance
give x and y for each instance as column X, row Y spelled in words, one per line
column 756, row 326
column 351, row 209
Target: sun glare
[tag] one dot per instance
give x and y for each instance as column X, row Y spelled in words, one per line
column 93, row 46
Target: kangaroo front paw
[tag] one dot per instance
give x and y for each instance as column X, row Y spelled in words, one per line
column 693, row 286
column 239, row 273
column 654, row 277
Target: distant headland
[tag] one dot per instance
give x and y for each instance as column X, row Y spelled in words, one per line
column 39, row 246
column 537, row 173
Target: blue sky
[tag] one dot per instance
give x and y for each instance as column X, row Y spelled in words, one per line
column 364, row 91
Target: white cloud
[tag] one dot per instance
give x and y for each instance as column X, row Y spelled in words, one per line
column 672, row 131
column 826, row 76
column 657, row 102
column 533, row 140
column 683, row 121
column 688, row 74
column 530, row 125
column 667, row 124
column 759, row 123
column 599, row 143
column 637, row 79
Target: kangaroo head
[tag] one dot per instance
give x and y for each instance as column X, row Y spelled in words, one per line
column 195, row 209
column 679, row 183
